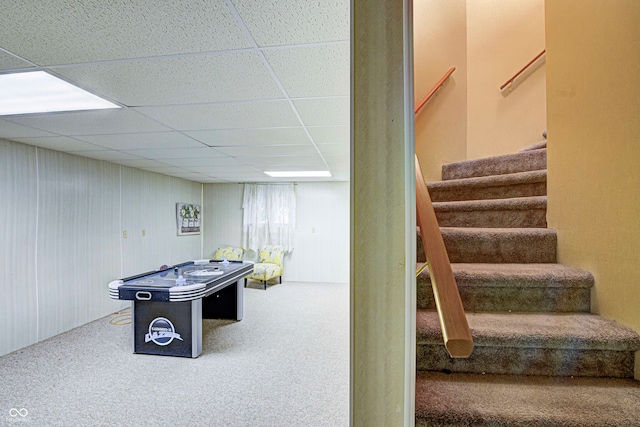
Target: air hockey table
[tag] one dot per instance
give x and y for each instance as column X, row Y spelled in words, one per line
column 168, row 305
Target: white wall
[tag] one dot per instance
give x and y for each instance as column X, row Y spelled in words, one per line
column 61, row 240
column 321, row 252
column 222, row 216
column 149, row 204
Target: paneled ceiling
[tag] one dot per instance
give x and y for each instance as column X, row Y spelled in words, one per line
column 211, row 90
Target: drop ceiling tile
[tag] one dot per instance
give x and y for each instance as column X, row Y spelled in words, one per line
column 10, row 62
column 175, row 153
column 107, row 155
column 233, row 115
column 241, row 177
column 74, row 31
column 59, row 143
column 192, row 176
column 338, row 150
column 324, row 111
column 330, row 134
column 9, row 130
column 270, row 150
column 95, row 122
column 139, row 163
column 184, row 80
column 312, row 70
column 147, row 140
column 285, row 162
column 206, row 161
column 293, row 21
column 240, row 169
column 210, row 180
column 165, row 170
column 338, row 161
column 263, row 136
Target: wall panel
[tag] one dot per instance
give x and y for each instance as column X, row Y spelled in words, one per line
column 321, row 252
column 223, row 216
column 77, row 240
column 149, row 204
column 18, row 210
column 62, row 240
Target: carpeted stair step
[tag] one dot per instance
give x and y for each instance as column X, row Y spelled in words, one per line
column 495, row 245
column 532, row 344
column 518, row 212
column 521, row 184
column 538, row 146
column 515, row 287
column 525, row 401
column 510, row 163
column 500, row 245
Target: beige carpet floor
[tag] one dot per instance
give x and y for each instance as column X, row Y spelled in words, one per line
column 285, row 364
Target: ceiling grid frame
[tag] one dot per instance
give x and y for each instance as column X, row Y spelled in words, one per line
column 325, row 25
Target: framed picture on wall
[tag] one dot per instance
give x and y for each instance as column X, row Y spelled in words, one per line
column 189, row 218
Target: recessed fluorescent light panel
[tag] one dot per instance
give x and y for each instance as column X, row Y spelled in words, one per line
column 299, row 174
column 40, row 92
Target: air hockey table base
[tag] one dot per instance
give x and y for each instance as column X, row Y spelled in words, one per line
column 175, row 329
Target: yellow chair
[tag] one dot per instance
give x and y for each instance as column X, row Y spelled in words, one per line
column 230, row 253
column 269, row 265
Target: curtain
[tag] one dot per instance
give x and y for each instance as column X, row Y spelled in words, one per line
column 269, row 215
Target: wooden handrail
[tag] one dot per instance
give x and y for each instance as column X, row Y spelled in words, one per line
column 522, row 70
column 453, row 321
column 434, row 89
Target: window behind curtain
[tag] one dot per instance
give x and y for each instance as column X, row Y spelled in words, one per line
column 269, row 216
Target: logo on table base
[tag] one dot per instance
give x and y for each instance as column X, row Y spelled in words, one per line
column 161, row 332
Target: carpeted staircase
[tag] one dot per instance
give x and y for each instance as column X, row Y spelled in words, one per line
column 540, row 358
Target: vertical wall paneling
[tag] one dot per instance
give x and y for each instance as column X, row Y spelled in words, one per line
column 77, row 239
column 321, row 252
column 222, row 212
column 149, row 204
column 18, row 304
column 62, row 238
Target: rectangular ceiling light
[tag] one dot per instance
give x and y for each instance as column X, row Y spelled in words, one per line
column 299, row 174
column 41, row 92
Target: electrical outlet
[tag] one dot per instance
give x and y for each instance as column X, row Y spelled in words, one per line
column 124, row 234
column 144, row 233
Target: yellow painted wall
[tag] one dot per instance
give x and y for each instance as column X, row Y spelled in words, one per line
column 593, row 89
column 487, row 41
column 503, row 36
column 440, row 42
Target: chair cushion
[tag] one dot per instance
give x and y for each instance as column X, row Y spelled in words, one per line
column 229, row 253
column 265, row 271
column 272, row 254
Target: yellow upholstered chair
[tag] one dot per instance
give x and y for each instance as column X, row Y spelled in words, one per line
column 269, row 265
column 230, row 253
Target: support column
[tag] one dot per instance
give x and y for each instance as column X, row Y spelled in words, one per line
column 383, row 230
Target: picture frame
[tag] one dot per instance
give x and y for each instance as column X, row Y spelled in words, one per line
column 188, row 218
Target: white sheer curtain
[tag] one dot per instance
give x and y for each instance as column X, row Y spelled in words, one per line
column 269, row 215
